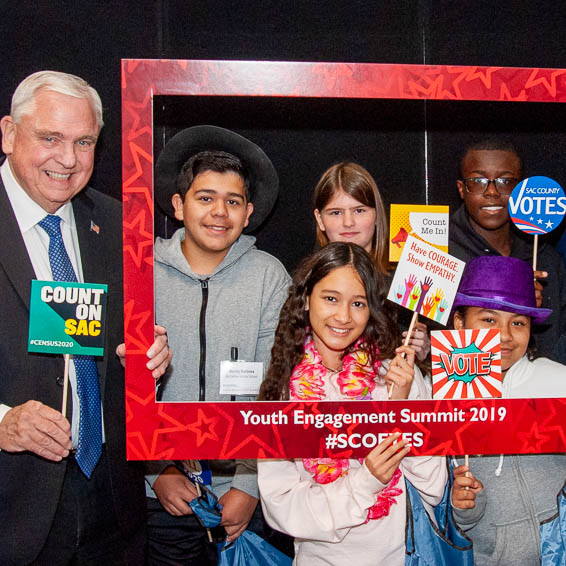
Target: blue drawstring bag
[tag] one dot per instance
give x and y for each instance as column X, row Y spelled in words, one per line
column 206, row 508
column 250, row 549
column 553, row 535
column 430, row 543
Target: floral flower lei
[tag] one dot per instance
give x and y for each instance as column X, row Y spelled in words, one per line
column 356, row 380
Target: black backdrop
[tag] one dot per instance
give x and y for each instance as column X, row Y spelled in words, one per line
column 305, row 136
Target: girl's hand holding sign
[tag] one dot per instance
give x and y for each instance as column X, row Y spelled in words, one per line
column 419, row 341
column 401, row 372
column 385, row 458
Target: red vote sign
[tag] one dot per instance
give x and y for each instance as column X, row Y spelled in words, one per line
column 466, row 364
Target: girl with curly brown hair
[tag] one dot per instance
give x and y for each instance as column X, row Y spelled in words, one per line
column 336, row 340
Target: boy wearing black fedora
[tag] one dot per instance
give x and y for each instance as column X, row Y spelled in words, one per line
column 220, row 299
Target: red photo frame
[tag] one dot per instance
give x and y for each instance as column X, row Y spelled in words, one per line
column 189, row 430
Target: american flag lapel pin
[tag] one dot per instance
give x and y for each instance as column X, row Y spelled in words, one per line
column 94, row 227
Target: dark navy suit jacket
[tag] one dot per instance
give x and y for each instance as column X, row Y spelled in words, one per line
column 30, row 486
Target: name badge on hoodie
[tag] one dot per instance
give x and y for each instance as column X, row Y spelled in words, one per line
column 240, row 378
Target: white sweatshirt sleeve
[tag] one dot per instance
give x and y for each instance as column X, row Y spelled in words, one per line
column 428, row 474
column 309, row 510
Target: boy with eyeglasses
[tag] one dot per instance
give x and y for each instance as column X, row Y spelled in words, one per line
column 489, row 171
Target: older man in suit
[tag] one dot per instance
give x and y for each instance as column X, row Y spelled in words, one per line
column 68, row 494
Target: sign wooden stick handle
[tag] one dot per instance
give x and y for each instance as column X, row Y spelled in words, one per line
column 411, row 327
column 199, row 493
column 65, row 384
column 406, row 343
column 467, row 463
column 535, row 251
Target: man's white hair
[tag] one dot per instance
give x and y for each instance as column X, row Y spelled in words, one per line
column 23, row 100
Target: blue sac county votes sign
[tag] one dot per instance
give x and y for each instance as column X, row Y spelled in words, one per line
column 67, row 318
column 537, row 205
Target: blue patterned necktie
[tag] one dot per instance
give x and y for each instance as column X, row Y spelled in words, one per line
column 90, row 424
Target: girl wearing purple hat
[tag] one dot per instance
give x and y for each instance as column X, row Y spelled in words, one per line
column 501, row 501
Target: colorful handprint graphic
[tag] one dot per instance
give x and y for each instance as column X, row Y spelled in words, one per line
column 409, row 284
column 427, row 306
column 441, row 310
column 425, row 288
column 415, row 294
column 437, row 297
column 399, row 292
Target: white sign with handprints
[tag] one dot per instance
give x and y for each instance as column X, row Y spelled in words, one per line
column 426, row 280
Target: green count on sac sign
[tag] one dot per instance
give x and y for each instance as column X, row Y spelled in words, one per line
column 67, row 318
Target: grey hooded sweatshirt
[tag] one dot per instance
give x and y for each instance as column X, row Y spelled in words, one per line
column 520, row 491
column 237, row 305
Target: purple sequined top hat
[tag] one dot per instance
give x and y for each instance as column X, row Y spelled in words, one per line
column 500, row 283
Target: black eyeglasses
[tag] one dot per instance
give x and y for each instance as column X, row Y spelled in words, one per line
column 478, row 185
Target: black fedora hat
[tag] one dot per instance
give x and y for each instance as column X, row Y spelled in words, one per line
column 264, row 182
